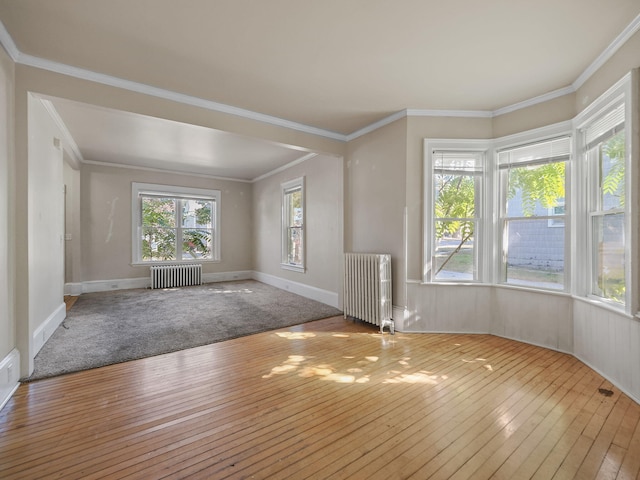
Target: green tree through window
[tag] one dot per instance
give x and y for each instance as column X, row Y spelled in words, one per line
column 170, row 222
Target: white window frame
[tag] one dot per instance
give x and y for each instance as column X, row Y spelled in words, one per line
column 482, row 248
column 139, row 189
column 517, row 141
column 553, row 222
column 287, row 188
column 618, row 94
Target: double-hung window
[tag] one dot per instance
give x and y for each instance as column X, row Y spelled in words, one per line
column 456, row 206
column 533, row 213
column 604, row 143
column 174, row 224
column 293, row 254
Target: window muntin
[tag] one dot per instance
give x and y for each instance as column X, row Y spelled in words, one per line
column 457, row 193
column 293, row 251
column 174, row 224
column 605, row 144
column 533, row 185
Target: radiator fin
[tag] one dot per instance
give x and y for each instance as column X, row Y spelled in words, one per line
column 367, row 288
column 168, row 276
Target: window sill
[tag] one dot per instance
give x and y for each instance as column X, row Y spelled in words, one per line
column 173, row 262
column 293, row 268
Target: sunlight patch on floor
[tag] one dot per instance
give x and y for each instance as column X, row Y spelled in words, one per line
column 413, row 378
column 476, row 360
column 296, row 335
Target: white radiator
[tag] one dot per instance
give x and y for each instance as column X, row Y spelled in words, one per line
column 167, row 276
column 367, row 288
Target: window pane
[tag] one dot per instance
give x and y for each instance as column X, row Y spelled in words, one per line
column 196, row 244
column 294, row 200
column 294, row 245
column 611, row 172
column 532, row 190
column 293, row 253
column 609, row 261
column 197, row 214
column 158, row 212
column 534, row 253
column 454, row 251
column 454, row 195
column 158, row 243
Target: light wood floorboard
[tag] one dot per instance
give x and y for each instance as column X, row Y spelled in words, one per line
column 328, row 399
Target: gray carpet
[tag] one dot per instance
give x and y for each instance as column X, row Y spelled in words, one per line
column 112, row 327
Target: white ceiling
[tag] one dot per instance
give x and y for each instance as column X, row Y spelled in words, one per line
column 124, row 138
column 335, row 65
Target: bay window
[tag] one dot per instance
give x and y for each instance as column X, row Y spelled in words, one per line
column 551, row 208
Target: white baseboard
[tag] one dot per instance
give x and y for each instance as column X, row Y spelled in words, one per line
column 46, row 329
column 115, row 284
column 314, row 293
column 145, row 282
column 9, row 376
column 227, row 276
column 73, row 289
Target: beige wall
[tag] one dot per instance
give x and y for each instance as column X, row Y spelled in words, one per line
column 72, row 251
column 323, row 223
column 547, row 113
column 106, row 221
column 7, row 324
column 374, row 197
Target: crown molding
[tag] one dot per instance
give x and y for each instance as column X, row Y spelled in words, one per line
column 608, row 52
column 304, row 158
column 561, row 92
column 81, row 73
column 376, row 125
column 29, row 60
column 8, row 44
column 412, row 112
column 164, row 170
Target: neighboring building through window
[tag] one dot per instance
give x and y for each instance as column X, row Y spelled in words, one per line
column 532, row 189
column 174, row 224
column 557, row 215
column 293, row 213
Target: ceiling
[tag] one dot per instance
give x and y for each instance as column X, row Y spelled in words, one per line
column 333, row 65
column 123, row 138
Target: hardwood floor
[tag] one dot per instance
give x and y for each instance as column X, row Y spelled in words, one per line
column 70, row 301
column 328, row 399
